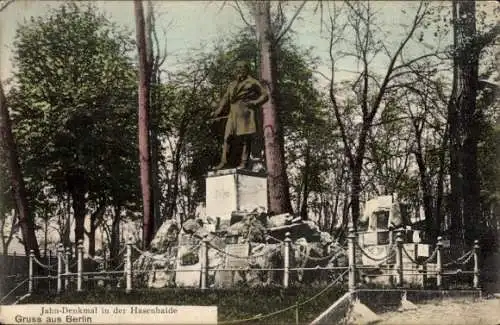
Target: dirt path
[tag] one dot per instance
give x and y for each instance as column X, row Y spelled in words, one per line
column 485, row 312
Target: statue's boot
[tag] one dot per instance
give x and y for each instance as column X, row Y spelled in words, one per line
column 223, row 160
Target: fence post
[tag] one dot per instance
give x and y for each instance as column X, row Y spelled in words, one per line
column 286, row 260
column 399, row 258
column 66, row 268
column 128, row 267
column 60, row 251
column 105, row 259
column 47, row 257
column 204, row 263
column 297, row 313
column 351, row 237
column 50, row 269
column 30, row 271
column 424, row 275
column 13, row 265
column 79, row 265
column 439, row 262
column 476, row 264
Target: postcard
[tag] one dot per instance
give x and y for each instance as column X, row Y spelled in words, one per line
column 249, row 162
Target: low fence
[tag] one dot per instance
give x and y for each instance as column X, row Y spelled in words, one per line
column 66, row 271
column 432, row 266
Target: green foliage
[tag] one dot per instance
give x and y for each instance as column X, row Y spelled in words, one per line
column 189, row 96
column 74, row 104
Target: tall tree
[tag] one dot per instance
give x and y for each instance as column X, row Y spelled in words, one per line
column 26, row 220
column 74, row 82
column 369, row 89
column 156, row 57
column 465, row 121
column 143, row 107
column 279, row 194
column 268, row 36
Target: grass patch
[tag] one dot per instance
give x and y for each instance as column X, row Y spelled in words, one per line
column 233, row 304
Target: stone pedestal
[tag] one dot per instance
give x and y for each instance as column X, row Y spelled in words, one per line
column 231, row 190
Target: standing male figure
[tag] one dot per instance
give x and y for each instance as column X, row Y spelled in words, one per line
column 243, row 95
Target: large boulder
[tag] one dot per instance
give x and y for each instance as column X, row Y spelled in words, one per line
column 250, row 229
column 166, row 236
column 191, row 226
column 155, row 268
column 279, row 220
column 323, row 253
column 254, row 269
column 175, row 255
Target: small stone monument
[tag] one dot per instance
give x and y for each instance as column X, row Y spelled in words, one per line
column 231, row 190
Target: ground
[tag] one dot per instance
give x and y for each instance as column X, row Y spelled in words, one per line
column 484, row 312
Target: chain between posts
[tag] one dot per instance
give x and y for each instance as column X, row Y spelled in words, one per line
column 63, row 257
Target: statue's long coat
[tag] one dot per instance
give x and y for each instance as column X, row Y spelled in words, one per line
column 241, row 117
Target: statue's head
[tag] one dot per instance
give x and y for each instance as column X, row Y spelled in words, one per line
column 242, row 69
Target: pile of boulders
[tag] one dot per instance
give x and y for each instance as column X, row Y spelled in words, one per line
column 177, row 247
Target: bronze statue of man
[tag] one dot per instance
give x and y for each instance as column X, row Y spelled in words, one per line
column 243, row 96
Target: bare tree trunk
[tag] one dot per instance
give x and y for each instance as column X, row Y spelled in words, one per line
column 438, row 214
column 355, row 194
column 7, row 239
column 356, row 165
column 463, row 119
column 278, row 186
column 77, row 188
column 303, row 208
column 335, row 213
column 174, row 188
column 153, row 106
column 67, row 222
column 95, row 218
column 45, row 235
column 426, row 189
column 468, row 62
column 115, row 237
column 26, row 221
column 455, row 201
column 148, row 220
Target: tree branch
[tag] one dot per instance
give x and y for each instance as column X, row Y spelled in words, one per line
column 488, row 37
column 343, row 132
column 5, row 4
column 416, row 21
column 287, row 28
column 238, row 8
